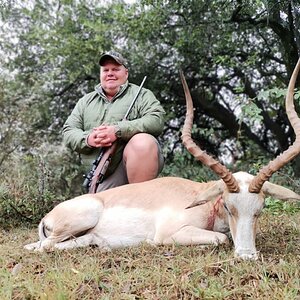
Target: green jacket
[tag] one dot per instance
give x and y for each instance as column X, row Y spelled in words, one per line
column 92, row 110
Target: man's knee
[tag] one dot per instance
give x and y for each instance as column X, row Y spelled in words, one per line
column 143, row 152
column 141, row 144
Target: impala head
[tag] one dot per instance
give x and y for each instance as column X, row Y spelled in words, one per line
column 243, row 194
column 243, row 209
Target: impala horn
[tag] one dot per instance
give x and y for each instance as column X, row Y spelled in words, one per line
column 266, row 172
column 196, row 151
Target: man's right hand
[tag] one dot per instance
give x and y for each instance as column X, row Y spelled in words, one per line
column 102, row 136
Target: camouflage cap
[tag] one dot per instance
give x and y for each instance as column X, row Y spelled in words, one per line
column 115, row 56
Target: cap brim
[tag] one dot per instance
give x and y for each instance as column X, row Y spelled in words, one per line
column 106, row 56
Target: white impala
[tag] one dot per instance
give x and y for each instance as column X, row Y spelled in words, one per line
column 173, row 210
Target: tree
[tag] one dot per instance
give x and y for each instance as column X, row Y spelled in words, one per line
column 237, row 57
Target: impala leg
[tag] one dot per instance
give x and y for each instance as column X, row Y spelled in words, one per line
column 33, row 246
column 83, row 241
column 190, row 235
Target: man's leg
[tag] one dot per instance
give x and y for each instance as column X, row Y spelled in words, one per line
column 142, row 158
column 117, row 178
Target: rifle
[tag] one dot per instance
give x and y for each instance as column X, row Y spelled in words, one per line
column 102, row 161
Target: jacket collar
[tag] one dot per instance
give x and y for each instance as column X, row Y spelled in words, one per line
column 100, row 91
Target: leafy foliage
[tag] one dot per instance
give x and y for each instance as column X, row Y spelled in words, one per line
column 277, row 207
column 27, row 195
column 184, row 166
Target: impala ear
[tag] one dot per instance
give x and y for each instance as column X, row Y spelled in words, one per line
column 209, row 195
column 279, row 192
column 197, row 203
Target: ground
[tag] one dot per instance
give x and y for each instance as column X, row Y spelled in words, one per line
column 147, row 272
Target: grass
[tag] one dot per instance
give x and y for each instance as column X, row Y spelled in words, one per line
column 147, row 272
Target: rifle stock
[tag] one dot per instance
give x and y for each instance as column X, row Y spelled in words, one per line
column 102, row 167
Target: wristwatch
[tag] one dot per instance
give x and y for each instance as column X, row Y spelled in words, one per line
column 117, row 131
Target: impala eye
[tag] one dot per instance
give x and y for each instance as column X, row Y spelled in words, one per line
column 225, row 206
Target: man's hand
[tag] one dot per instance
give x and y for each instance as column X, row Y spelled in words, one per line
column 102, row 136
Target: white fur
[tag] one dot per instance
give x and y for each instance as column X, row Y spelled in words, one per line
column 155, row 212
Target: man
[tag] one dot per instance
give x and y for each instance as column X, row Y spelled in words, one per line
column 96, row 122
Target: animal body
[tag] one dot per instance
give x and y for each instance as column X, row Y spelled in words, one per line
column 173, row 210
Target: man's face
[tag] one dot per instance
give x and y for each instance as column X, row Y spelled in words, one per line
column 112, row 75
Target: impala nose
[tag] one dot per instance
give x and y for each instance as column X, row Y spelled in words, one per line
column 246, row 254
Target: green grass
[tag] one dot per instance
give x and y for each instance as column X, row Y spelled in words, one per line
column 147, row 272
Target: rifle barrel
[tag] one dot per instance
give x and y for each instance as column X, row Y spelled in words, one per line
column 133, row 101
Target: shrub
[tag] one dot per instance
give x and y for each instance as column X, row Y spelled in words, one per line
column 35, row 182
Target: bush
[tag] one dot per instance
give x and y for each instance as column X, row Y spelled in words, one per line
column 186, row 166
column 35, row 182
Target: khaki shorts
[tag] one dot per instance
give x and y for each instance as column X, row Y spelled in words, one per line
column 119, row 177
